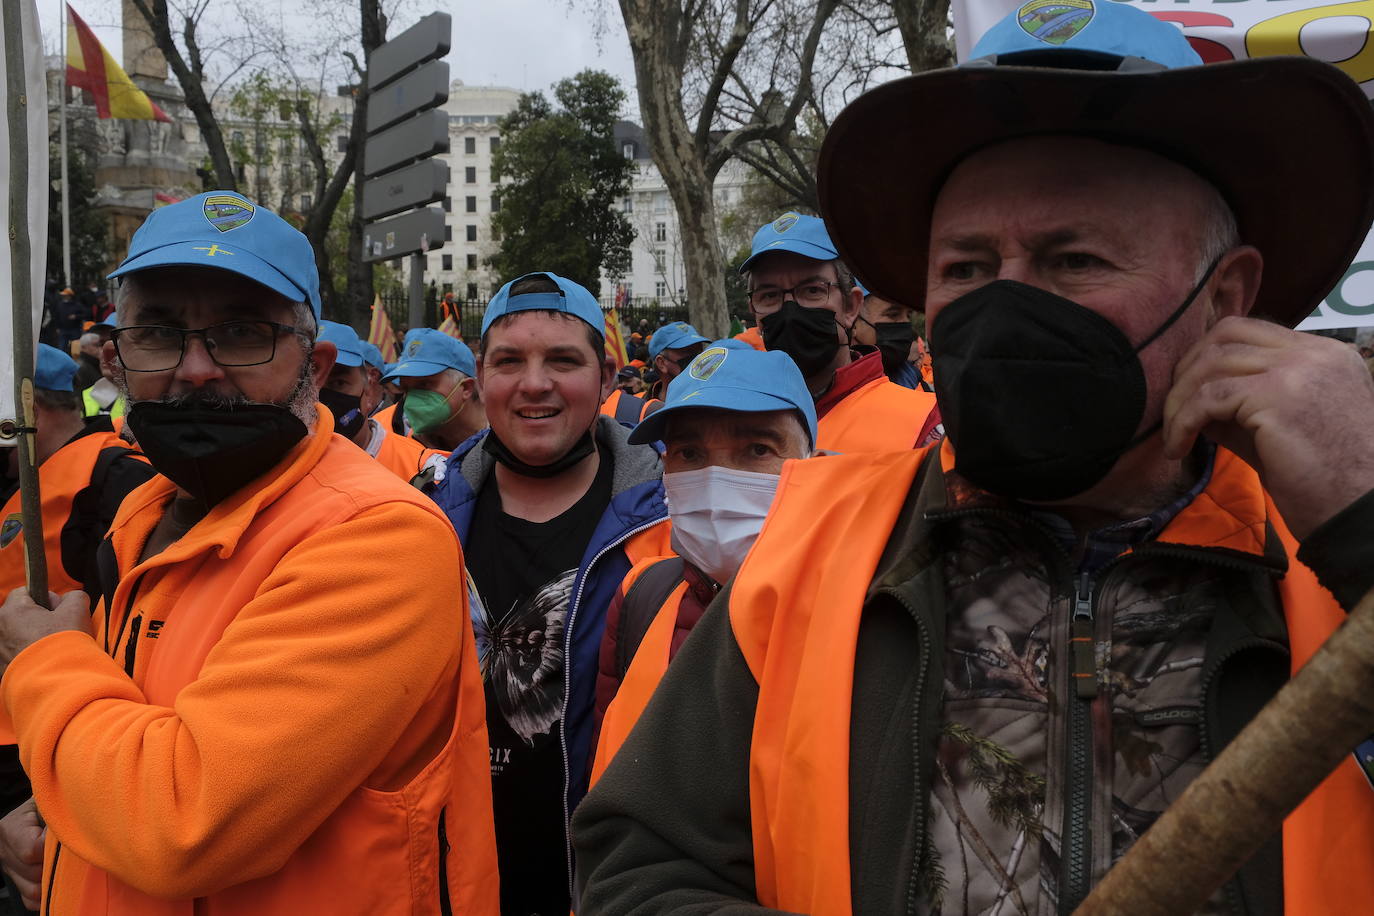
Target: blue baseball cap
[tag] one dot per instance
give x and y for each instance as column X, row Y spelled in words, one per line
column 571, row 298
column 429, row 352
column 372, row 355
column 745, row 381
column 1109, row 71
column 676, row 336
column 794, row 232
column 227, row 231
column 345, row 339
column 1104, row 32
column 52, row 369
column 109, row 321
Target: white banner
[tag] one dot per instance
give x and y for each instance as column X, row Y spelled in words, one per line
column 37, row 183
column 1339, row 33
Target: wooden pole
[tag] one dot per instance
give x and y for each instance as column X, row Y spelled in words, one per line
column 1240, row 801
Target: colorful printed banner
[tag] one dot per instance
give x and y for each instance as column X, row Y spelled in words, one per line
column 91, row 67
column 1339, row 33
column 35, row 90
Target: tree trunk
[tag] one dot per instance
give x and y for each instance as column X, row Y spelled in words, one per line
column 924, row 25
column 658, row 75
column 358, row 289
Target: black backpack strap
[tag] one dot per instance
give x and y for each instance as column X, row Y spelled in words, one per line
column 628, row 407
column 93, row 510
column 640, row 607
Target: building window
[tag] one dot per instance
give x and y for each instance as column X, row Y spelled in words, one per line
column 495, row 144
column 496, row 203
column 660, row 258
column 470, row 174
column 629, row 150
column 448, row 232
column 448, row 204
column 472, row 262
column 472, row 290
column 660, row 289
column 447, row 288
column 472, row 233
column 470, row 146
column 448, row 262
column 470, row 204
column 660, row 202
column 341, row 143
column 627, row 205
column 660, row 232
column 306, row 202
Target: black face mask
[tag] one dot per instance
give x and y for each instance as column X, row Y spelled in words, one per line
column 347, row 410
column 212, row 452
column 492, row 445
column 806, row 335
column 894, row 342
column 1039, row 395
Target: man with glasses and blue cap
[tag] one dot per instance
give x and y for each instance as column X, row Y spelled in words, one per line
column 553, row 505
column 439, row 396
column 807, row 303
column 249, row 641
column 352, row 393
column 967, row 678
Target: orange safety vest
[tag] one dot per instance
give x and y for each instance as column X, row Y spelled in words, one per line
column 612, row 404
column 880, row 416
column 797, row 622
column 205, row 832
column 386, row 416
column 403, row 456
column 64, row 474
column 752, row 336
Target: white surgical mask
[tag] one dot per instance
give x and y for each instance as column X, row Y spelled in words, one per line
column 717, row 514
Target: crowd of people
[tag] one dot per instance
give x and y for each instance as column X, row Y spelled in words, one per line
column 812, row 619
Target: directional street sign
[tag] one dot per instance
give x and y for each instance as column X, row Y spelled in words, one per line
column 410, row 233
column 425, row 40
column 421, row 88
column 414, row 138
column 413, row 186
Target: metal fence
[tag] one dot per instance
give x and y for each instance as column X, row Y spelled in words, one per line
column 469, row 312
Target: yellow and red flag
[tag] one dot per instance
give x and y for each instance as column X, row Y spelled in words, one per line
column 615, row 340
column 90, row 67
column 450, row 327
column 380, row 334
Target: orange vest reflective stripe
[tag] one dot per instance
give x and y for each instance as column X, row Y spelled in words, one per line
column 797, row 622
column 215, row 571
column 641, row 679
column 880, row 416
column 64, row 474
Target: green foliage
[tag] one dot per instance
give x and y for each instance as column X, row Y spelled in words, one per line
column 90, row 227
column 264, row 135
column 561, row 183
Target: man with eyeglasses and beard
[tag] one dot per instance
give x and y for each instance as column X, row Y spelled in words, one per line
column 254, row 720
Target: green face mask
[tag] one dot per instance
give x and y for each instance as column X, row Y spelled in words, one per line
column 426, row 411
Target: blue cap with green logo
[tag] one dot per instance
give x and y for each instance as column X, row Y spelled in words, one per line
column 676, row 336
column 429, row 352
column 794, row 232
column 1101, row 30
column 571, row 298
column 226, row 231
column 52, row 369
column 345, row 339
column 744, row 381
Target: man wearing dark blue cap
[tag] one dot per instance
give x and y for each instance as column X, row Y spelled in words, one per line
column 806, row 304
column 440, row 400
column 352, row 393
column 553, row 506
column 250, row 641
column 1153, row 504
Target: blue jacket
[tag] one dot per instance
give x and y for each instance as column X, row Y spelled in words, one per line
column 636, row 505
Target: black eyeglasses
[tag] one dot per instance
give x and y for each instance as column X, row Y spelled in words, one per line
column 155, row 348
column 812, row 292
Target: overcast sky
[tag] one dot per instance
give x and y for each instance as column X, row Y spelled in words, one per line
column 524, row 44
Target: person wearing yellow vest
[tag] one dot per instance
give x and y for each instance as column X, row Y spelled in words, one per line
column 254, row 720
column 100, row 396
column 806, row 303
column 730, row 421
column 352, row 393
column 440, row 400
column 965, row 679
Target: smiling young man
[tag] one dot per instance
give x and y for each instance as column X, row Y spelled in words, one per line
column 553, row 506
column 807, row 304
column 253, row 721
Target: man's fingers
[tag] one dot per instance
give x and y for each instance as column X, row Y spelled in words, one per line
column 28, row 887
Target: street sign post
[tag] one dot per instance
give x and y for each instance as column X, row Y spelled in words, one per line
column 406, row 85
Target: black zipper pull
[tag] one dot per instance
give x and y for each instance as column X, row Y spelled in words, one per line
column 1084, row 671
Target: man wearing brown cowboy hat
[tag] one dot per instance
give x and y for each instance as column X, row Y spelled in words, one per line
column 966, row 679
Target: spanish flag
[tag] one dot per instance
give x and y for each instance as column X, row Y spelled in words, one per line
column 380, row 334
column 90, row 67
column 450, row 327
column 615, row 340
